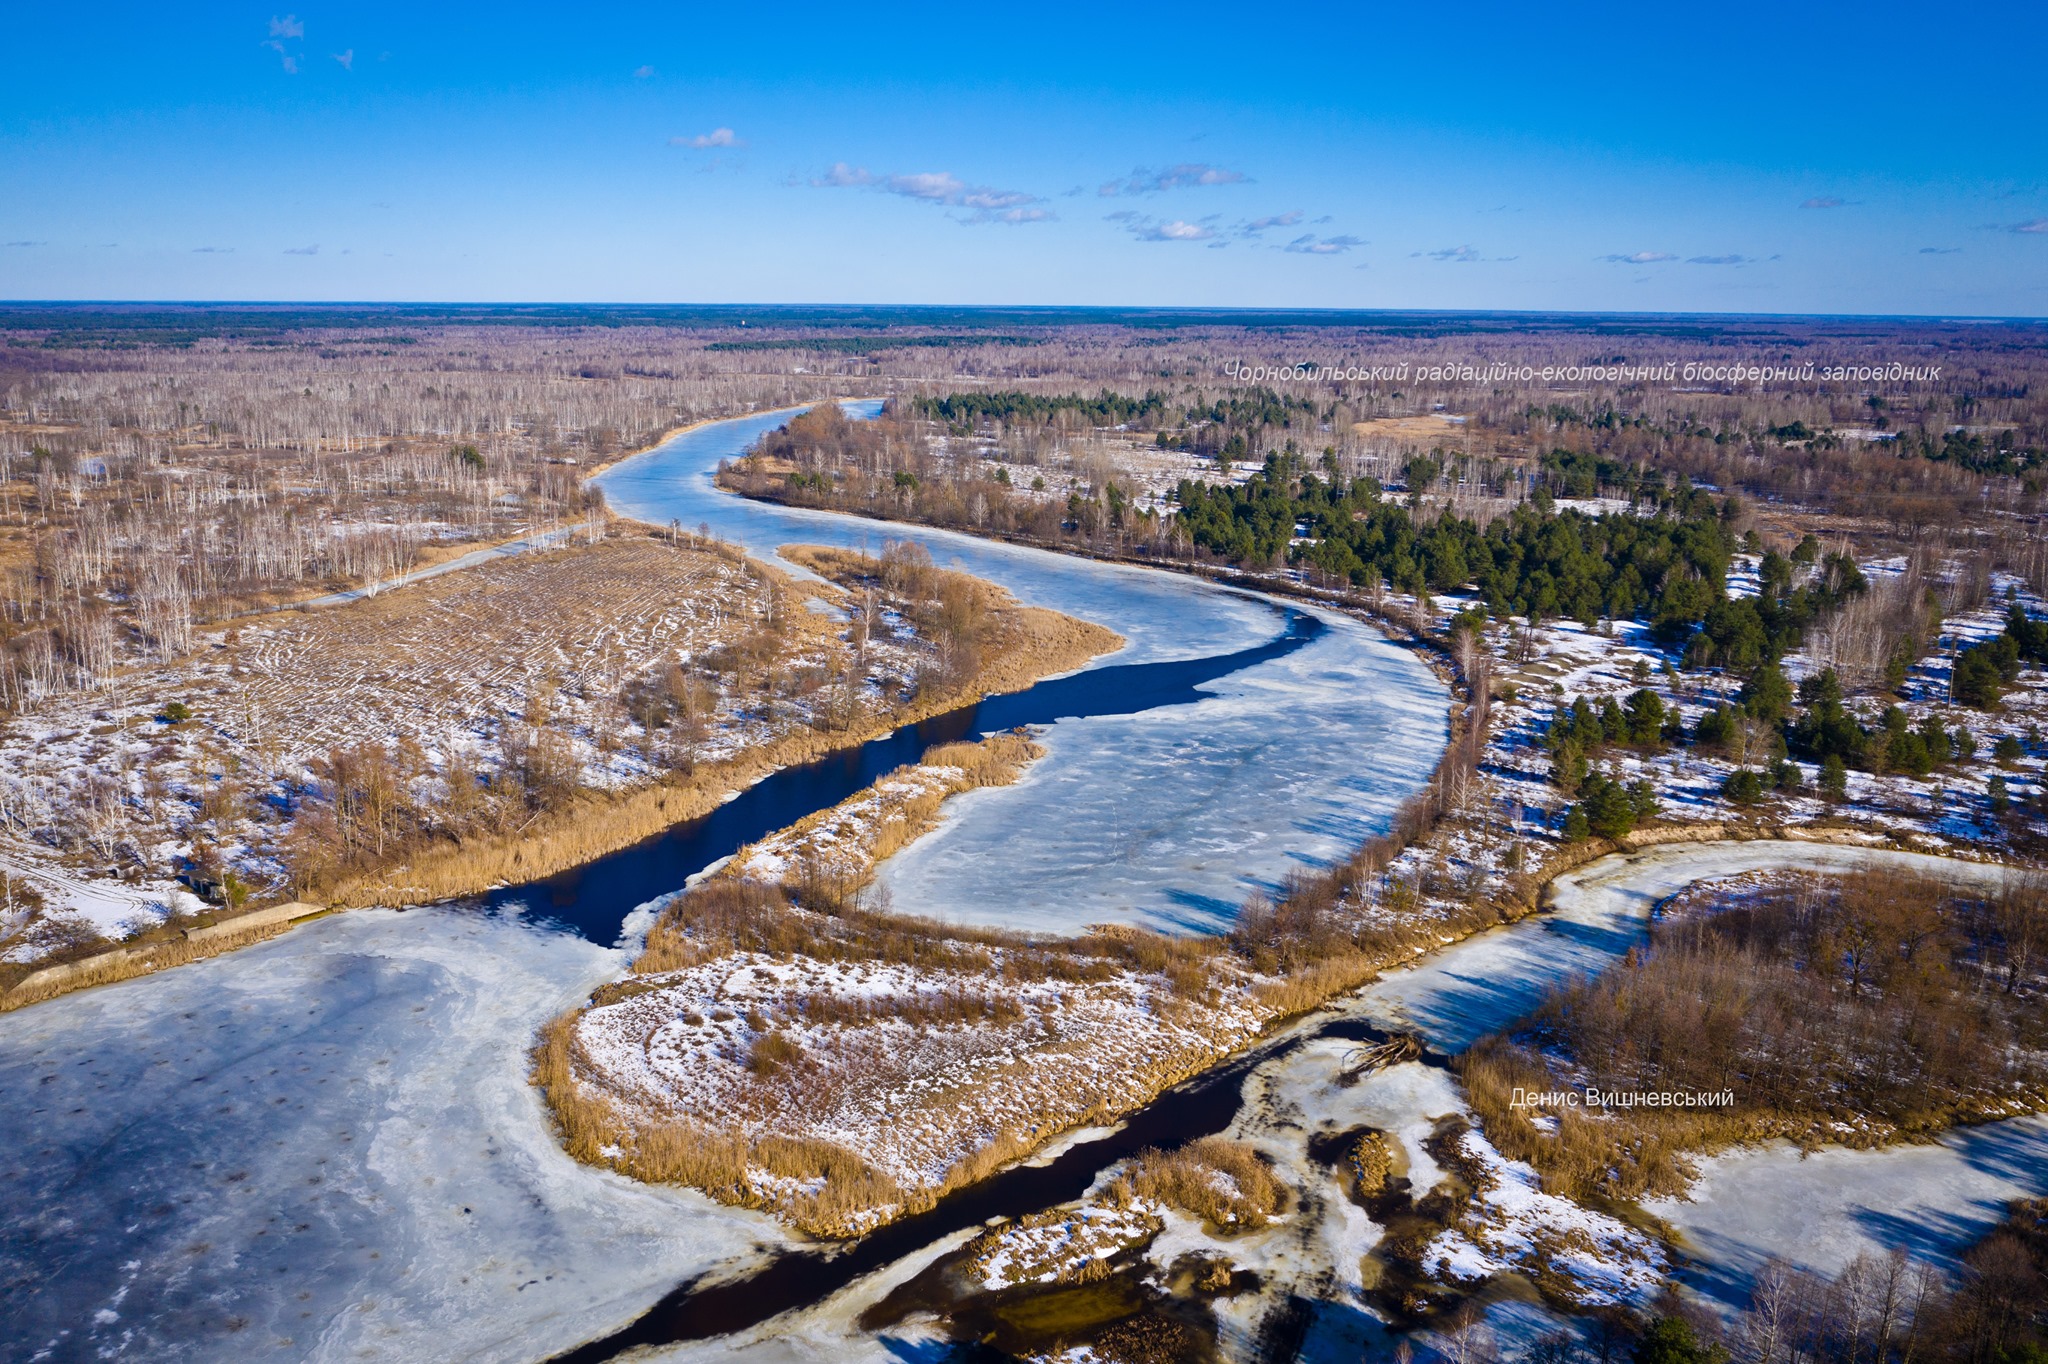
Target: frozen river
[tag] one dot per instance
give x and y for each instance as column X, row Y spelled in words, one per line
column 1169, row 817
column 324, row 1147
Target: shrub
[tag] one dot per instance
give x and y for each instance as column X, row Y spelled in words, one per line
column 1834, row 779
column 1984, row 671
column 1610, row 809
column 1743, row 787
column 773, row 1052
column 1221, row 1181
column 1671, row 1341
column 1716, row 729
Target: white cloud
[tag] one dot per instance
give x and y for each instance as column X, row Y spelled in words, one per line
column 282, row 31
column 213, row 250
column 347, row 59
column 1149, row 229
column 1287, row 219
column 1721, row 260
column 717, row 137
column 1310, row 245
column 2034, row 228
column 1640, row 258
column 1825, row 201
column 988, row 204
column 1451, row 253
column 938, row 187
column 843, row 176
column 312, row 250
column 641, row 73
column 1186, row 175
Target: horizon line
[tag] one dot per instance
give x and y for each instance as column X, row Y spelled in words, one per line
column 1154, row 308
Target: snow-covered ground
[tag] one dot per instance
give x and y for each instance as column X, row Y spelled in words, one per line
column 1821, row 1210
column 100, row 787
column 1513, row 1225
column 1144, row 470
column 1948, row 811
column 912, row 1097
column 75, row 908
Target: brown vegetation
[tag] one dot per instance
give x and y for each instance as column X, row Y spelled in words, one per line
column 1863, row 1010
column 1202, row 998
column 825, row 859
column 978, row 629
column 1225, row 1183
column 150, row 952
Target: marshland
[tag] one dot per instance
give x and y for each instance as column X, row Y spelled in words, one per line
column 1223, row 740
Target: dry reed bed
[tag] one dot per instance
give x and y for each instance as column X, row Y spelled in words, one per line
column 836, row 850
column 1224, row 1183
column 1020, row 644
column 140, row 960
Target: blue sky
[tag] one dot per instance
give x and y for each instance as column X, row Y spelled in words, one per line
column 1726, row 157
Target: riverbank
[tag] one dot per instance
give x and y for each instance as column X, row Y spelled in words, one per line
column 780, row 1047
column 1024, row 645
column 1342, row 1274
column 410, row 644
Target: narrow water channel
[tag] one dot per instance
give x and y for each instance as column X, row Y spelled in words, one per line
column 325, row 1146
column 594, row 899
column 1196, row 1108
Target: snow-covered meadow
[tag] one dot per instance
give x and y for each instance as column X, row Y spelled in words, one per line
column 106, row 795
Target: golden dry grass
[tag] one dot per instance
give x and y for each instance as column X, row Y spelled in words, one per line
column 847, row 841
column 721, row 1163
column 1027, row 644
column 1431, row 429
column 128, row 963
column 1223, row 1182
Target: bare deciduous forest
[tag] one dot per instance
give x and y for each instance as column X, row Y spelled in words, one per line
column 1859, row 1009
